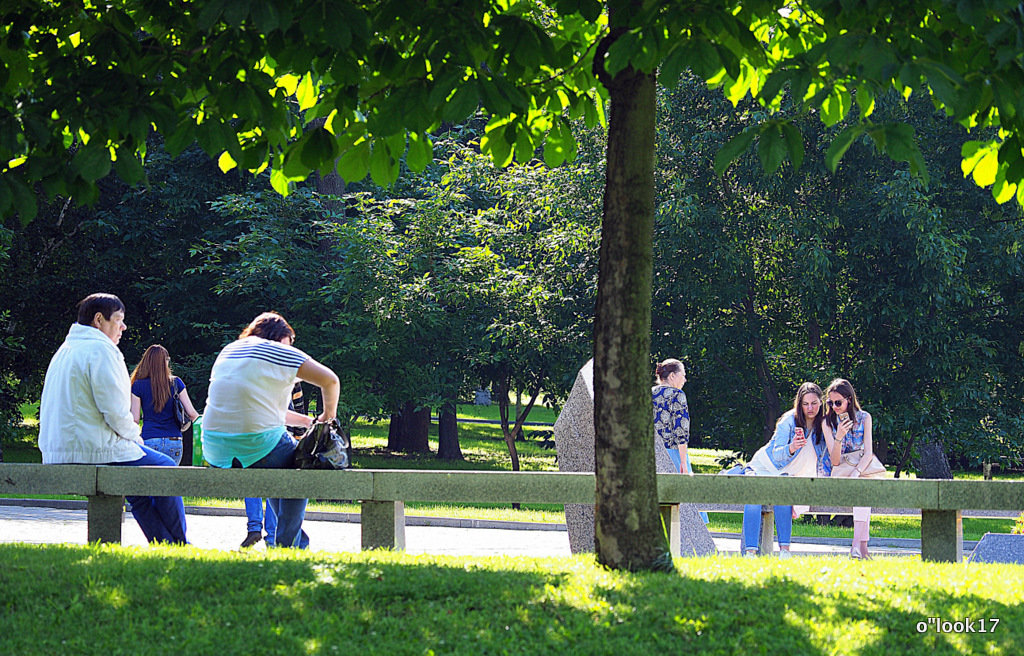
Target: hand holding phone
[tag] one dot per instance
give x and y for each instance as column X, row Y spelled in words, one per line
column 798, row 440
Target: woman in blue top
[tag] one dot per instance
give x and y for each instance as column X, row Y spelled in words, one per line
column 796, row 449
column 153, row 385
column 852, row 433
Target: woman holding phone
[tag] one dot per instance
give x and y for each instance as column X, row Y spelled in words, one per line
column 848, row 435
column 796, row 449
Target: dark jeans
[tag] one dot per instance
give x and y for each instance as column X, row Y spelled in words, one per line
column 162, row 519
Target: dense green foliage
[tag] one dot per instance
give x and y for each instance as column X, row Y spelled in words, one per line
column 189, row 601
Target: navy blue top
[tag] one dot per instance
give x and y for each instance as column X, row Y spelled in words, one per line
column 157, row 424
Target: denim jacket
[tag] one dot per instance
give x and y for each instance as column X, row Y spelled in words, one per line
column 778, row 446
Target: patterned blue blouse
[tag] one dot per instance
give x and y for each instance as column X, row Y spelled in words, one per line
column 854, row 440
column 671, row 416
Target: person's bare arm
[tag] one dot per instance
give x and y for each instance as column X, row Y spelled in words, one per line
column 312, row 371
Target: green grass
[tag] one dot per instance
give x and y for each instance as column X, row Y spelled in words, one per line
column 113, row 600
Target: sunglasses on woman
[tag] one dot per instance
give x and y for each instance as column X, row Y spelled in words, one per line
column 835, row 404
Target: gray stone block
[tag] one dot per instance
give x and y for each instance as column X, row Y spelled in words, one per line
column 999, row 548
column 574, row 444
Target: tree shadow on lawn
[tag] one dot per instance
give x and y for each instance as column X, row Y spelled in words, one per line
column 113, row 600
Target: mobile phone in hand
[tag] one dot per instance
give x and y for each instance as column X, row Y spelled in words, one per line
column 843, row 416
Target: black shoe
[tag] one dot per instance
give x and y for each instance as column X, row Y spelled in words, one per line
column 252, row 538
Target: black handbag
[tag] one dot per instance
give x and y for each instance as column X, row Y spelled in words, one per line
column 180, row 417
column 324, row 446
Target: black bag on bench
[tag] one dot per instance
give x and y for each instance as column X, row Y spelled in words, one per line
column 324, row 447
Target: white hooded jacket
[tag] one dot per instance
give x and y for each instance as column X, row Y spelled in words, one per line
column 85, row 411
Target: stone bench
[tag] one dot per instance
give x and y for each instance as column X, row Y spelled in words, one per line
column 383, row 493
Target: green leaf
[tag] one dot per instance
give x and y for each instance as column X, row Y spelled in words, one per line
column 985, row 171
column 672, row 67
column 279, row 181
column 771, row 148
column 463, row 103
column 1002, row 190
column 129, row 167
column 794, row 144
column 495, row 144
column 319, row 150
column 730, row 151
column 841, row 144
column 421, row 151
column 354, row 164
column 306, row 93
column 225, row 162
column 264, row 15
column 835, row 106
column 210, row 13
column 92, row 161
column 972, row 152
column 24, row 201
column 620, row 53
column 383, row 163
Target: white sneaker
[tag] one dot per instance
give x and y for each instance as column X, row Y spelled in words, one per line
column 784, row 554
column 750, row 553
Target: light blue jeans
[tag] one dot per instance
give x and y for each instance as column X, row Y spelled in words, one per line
column 752, row 525
column 169, row 446
column 289, row 512
column 162, row 519
column 673, row 455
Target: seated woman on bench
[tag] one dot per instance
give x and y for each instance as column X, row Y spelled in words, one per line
column 796, row 449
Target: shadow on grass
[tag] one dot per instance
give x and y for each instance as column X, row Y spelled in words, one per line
column 112, row 600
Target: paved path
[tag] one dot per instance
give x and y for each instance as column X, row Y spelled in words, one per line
column 41, row 525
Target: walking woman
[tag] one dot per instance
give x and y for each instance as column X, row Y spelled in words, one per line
column 848, row 435
column 796, row 449
column 153, row 386
column 247, row 409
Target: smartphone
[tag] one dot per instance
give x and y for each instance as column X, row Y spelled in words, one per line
column 843, row 416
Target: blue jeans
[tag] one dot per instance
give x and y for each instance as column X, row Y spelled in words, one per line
column 256, row 519
column 673, row 455
column 169, row 446
column 752, row 525
column 162, row 519
column 289, row 512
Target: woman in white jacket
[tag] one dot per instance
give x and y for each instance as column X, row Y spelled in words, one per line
column 85, row 412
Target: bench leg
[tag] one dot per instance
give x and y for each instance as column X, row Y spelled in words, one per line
column 382, row 525
column 670, row 520
column 104, row 514
column 942, row 536
column 765, row 546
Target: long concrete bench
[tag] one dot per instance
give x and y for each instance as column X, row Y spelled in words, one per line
column 383, row 493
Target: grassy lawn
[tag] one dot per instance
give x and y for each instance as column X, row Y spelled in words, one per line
column 181, row 600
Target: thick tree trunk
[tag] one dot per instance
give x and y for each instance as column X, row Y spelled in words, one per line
column 628, row 528
column 448, row 434
column 409, row 429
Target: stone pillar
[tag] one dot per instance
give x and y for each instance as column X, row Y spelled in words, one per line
column 104, row 514
column 382, row 524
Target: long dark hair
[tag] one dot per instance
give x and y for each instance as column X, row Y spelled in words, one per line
column 844, row 388
column 805, row 389
column 156, row 366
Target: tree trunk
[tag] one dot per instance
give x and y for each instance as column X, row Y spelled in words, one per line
column 507, row 433
column 628, row 528
column 409, row 430
column 448, row 434
column 934, row 463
